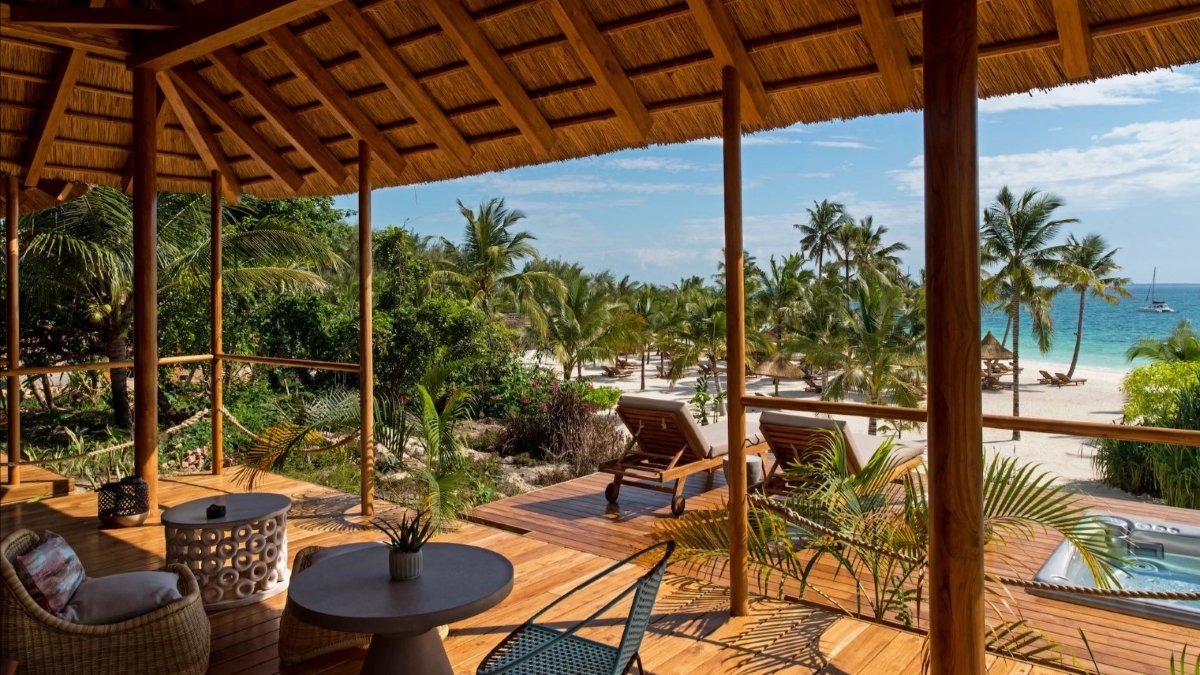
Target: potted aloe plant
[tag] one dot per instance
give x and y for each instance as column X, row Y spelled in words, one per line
column 406, row 537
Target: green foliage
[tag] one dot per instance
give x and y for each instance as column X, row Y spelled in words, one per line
column 602, row 398
column 1183, row 344
column 564, row 429
column 1152, row 391
column 408, row 534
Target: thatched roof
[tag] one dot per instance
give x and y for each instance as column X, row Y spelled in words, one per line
column 991, row 349
column 779, row 367
column 813, row 58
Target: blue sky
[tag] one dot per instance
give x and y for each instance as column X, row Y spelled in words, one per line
column 1123, row 152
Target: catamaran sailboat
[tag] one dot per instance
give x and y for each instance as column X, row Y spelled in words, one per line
column 1152, row 305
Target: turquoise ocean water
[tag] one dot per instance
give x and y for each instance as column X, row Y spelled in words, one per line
column 1108, row 330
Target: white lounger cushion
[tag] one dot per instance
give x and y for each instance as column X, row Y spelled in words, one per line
column 713, row 439
column 860, row 448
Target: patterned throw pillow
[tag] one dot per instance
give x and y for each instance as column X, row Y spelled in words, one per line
column 51, row 572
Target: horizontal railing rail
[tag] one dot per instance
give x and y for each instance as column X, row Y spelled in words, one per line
column 1036, row 424
column 290, row 363
column 29, row 371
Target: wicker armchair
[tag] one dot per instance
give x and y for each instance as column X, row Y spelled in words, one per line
column 299, row 641
column 171, row 639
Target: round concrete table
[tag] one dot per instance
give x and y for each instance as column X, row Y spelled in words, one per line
column 354, row 593
column 238, row 558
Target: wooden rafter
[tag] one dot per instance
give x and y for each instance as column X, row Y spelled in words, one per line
column 1075, row 36
column 214, row 24
column 491, row 69
column 62, row 84
column 94, row 40
column 399, row 80
column 99, row 17
column 197, row 128
column 297, row 57
column 607, row 72
column 887, row 44
column 275, row 110
column 199, row 90
column 728, row 49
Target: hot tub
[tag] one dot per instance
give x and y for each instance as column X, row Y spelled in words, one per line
column 1163, row 557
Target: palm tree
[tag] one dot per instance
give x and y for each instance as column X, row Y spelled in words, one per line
column 1181, row 345
column 824, row 219
column 882, row 357
column 586, row 324
column 872, row 254
column 484, row 266
column 779, row 294
column 82, row 254
column 1088, row 266
column 1018, row 235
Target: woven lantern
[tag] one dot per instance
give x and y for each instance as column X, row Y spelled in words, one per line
column 123, row 503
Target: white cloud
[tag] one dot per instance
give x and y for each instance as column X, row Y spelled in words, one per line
column 587, row 184
column 1118, row 168
column 852, row 145
column 1124, row 90
column 767, row 138
column 670, row 164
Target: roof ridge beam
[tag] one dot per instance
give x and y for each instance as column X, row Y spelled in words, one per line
column 114, row 18
column 606, row 71
column 399, row 79
column 721, row 35
column 279, row 114
column 207, row 98
column 296, row 56
column 882, row 31
column 95, row 40
column 211, row 25
column 1075, row 36
column 492, row 71
column 200, row 133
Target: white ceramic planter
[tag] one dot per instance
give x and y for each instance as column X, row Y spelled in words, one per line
column 403, row 565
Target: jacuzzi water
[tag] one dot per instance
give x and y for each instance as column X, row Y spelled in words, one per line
column 1162, row 557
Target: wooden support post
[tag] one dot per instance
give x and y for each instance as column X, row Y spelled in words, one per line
column 735, row 340
column 12, row 197
column 366, row 357
column 956, row 628
column 217, row 372
column 145, row 280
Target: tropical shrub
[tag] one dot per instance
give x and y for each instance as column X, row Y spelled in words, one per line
column 603, row 398
column 566, row 430
column 1151, row 391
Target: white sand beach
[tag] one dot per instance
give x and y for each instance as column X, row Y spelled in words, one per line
column 1069, row 457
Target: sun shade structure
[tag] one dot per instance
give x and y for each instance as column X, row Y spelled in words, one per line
column 275, row 96
column 991, row 349
column 284, row 98
column 779, row 367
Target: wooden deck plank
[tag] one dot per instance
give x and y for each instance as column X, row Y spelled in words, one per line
column 36, row 483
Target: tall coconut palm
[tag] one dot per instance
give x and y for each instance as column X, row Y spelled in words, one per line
column 586, row 324
column 846, row 240
column 1018, row 236
column 824, row 219
column 484, row 266
column 882, row 358
column 779, row 295
column 1181, row 345
column 1088, row 266
column 871, row 253
column 82, row 254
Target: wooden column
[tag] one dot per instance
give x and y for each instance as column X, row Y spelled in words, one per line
column 955, row 434
column 145, row 281
column 12, row 214
column 217, row 372
column 735, row 340
column 366, row 357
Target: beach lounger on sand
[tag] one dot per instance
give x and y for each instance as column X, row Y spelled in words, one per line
column 668, row 447
column 614, row 372
column 1064, row 380
column 1046, row 378
column 800, row 439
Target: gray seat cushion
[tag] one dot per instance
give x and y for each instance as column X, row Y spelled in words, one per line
column 713, row 439
column 120, row 597
column 860, row 448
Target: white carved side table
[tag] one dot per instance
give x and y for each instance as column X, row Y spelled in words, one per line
column 237, row 559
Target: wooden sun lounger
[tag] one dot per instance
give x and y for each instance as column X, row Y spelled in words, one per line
column 799, row 439
column 615, row 372
column 1047, row 378
column 1064, row 380
column 668, row 446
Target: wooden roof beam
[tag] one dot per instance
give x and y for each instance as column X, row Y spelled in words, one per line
column 602, row 63
column 278, row 112
column 728, row 49
column 100, row 17
column 211, row 25
column 199, row 90
column 882, row 32
column 400, row 81
column 62, row 86
column 1075, row 36
column 94, row 40
column 297, row 57
column 197, row 128
column 490, row 68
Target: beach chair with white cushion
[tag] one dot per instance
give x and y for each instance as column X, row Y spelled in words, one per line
column 796, row 439
column 668, row 447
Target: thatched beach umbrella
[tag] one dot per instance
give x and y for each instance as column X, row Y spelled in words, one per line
column 777, row 368
column 991, row 349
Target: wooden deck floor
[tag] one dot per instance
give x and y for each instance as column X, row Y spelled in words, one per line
column 575, row 514
column 690, row 633
column 36, row 483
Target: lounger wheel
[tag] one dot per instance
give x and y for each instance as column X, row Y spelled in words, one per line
column 611, row 491
column 678, row 504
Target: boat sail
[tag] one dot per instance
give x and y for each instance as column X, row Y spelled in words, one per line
column 1153, row 305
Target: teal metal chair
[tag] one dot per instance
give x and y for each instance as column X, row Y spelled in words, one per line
column 536, row 649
